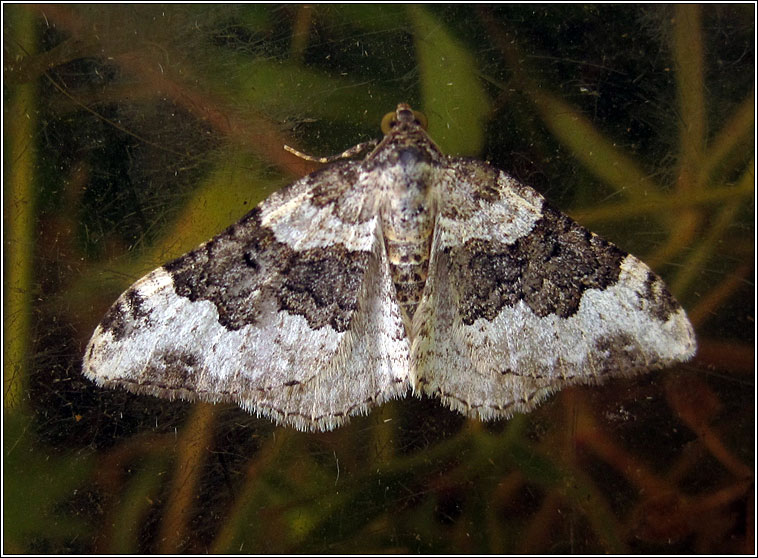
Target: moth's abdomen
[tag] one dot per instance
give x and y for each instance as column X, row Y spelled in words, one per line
column 409, row 170
column 409, row 265
column 409, row 242
column 408, row 228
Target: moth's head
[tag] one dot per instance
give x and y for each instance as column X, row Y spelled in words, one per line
column 403, row 114
column 405, row 139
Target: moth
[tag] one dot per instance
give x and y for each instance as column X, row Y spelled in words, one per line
column 408, row 270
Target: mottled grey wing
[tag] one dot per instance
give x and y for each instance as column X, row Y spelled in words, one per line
column 522, row 301
column 290, row 313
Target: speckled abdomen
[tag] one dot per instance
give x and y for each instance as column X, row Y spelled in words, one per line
column 408, row 227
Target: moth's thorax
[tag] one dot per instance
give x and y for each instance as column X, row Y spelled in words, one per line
column 408, row 211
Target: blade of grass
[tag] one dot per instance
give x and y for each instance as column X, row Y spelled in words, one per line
column 687, row 47
column 193, row 449
column 454, row 98
column 19, row 214
column 596, row 152
column 737, row 131
column 688, row 57
column 709, row 243
column 662, row 203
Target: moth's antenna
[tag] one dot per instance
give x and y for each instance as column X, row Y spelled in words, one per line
column 353, row 151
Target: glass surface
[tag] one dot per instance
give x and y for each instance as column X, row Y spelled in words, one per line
column 135, row 132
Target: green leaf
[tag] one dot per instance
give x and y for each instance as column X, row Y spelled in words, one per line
column 454, row 98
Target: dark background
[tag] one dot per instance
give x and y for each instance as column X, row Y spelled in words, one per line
column 133, row 133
